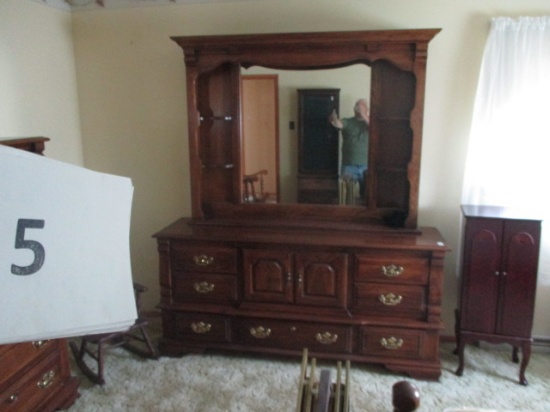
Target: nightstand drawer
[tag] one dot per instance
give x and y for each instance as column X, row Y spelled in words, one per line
column 398, row 268
column 196, row 327
column 380, row 299
column 203, row 258
column 34, row 386
column 204, row 287
column 294, row 335
column 15, row 358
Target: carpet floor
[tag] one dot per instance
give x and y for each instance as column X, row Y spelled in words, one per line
column 215, row 382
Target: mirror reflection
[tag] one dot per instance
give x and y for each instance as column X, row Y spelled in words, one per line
column 279, row 166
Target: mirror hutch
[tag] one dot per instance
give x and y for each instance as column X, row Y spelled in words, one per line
column 362, row 282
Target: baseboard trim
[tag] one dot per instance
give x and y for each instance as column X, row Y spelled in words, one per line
column 539, row 342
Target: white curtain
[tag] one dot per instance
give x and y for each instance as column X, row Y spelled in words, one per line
column 508, row 161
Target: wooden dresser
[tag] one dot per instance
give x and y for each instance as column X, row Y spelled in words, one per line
column 36, row 375
column 360, row 282
column 340, row 294
column 498, row 279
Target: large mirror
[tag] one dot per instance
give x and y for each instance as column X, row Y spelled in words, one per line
column 271, row 124
column 215, row 66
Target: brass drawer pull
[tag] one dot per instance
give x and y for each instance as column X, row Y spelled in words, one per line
column 392, row 271
column 47, row 380
column 204, row 287
column 326, row 338
column 39, row 343
column 391, row 343
column 260, row 332
column 203, row 260
column 201, row 327
column 390, row 299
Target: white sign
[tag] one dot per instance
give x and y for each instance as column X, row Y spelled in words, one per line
column 64, row 249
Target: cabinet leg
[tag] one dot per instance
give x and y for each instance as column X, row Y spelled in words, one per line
column 457, row 331
column 460, row 353
column 526, row 352
column 515, row 357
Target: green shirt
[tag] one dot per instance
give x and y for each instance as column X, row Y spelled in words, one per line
column 355, row 142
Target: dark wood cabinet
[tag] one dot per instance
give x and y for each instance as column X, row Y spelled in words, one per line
column 358, row 282
column 366, row 297
column 35, row 376
column 317, row 146
column 498, row 279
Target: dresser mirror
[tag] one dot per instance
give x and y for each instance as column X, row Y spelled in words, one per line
column 271, row 111
column 214, row 66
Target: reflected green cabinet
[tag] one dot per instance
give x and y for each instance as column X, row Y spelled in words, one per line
column 317, row 146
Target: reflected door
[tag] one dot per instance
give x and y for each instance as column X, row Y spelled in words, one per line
column 260, row 133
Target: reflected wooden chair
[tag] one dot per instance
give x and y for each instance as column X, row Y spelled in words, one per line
column 93, row 347
column 251, row 193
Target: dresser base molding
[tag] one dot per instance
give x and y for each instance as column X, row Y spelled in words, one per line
column 425, row 370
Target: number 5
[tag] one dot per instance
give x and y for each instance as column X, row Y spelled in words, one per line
column 36, row 247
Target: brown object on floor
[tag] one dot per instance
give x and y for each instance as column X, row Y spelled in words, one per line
column 405, row 397
column 126, row 339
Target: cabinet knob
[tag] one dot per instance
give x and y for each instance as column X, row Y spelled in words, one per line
column 392, row 271
column 39, row 343
column 391, row 343
column 204, row 287
column 201, row 327
column 326, row 338
column 13, row 398
column 390, row 299
column 289, row 277
column 203, row 260
column 260, row 332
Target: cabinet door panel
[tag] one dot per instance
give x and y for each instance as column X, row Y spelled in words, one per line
column 481, row 268
column 268, row 276
column 321, row 279
column 518, row 287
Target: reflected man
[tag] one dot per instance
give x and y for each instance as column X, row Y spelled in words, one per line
column 355, row 142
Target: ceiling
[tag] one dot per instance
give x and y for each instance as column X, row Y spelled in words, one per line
column 74, row 5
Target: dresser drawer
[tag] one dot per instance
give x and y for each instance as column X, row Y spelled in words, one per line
column 390, row 300
column 388, row 267
column 294, row 335
column 196, row 327
column 203, row 258
column 32, row 387
column 204, row 287
column 16, row 357
column 391, row 342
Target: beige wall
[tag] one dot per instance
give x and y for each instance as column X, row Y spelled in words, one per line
column 131, row 89
column 38, row 94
